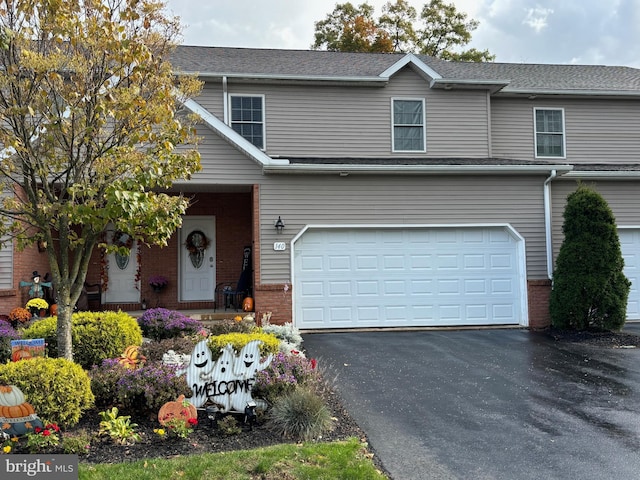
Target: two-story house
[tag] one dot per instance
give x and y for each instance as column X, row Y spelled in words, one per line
column 388, row 190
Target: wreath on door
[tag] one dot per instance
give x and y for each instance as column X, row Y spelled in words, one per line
column 196, row 243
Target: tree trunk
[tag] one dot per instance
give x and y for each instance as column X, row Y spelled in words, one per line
column 65, row 343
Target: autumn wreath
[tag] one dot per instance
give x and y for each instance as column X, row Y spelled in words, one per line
column 196, row 242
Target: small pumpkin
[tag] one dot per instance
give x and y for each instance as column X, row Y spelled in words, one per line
column 54, row 309
column 179, row 408
column 10, row 395
column 247, row 304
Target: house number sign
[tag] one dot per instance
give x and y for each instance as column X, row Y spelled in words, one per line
column 279, row 246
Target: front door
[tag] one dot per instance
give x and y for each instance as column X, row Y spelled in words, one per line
column 122, row 285
column 197, row 258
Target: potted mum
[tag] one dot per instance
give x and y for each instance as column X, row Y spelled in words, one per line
column 37, row 305
column 158, row 282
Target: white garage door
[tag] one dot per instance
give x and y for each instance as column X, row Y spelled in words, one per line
column 403, row 277
column 630, row 245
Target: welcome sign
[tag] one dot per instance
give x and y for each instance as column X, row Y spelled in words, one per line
column 226, row 382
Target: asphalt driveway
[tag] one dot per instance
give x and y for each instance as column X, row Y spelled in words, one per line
column 489, row 404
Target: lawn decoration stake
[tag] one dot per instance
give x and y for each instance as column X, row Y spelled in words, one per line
column 226, row 382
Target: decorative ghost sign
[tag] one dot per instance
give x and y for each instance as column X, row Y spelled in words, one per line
column 226, row 382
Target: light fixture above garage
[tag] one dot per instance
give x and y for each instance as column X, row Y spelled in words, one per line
column 279, row 224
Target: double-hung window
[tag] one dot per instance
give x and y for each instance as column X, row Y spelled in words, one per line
column 549, row 132
column 247, row 117
column 408, row 125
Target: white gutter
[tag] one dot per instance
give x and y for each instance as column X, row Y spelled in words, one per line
column 347, row 169
column 298, row 78
column 568, row 91
column 547, row 223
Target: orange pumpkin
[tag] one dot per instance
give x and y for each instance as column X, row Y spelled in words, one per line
column 247, row 304
column 54, row 309
column 179, row 408
column 16, row 411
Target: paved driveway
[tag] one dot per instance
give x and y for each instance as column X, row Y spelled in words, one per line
column 489, row 404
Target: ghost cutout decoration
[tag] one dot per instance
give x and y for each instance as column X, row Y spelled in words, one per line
column 200, row 367
column 248, row 360
column 222, row 379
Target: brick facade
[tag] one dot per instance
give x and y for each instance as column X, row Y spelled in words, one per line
column 539, row 292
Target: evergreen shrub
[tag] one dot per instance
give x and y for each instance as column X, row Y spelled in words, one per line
column 96, row 336
column 59, row 390
column 590, row 290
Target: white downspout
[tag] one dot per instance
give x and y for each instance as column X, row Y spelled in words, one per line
column 547, row 223
column 225, row 101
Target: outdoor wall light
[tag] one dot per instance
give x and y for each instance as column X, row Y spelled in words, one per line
column 250, row 416
column 279, row 224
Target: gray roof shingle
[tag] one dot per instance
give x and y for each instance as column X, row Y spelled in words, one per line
column 322, row 64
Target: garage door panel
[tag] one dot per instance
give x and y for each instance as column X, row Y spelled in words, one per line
column 630, row 246
column 412, row 277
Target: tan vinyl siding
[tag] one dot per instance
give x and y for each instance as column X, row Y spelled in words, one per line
column 597, row 131
column 339, row 121
column 358, row 200
column 223, row 164
column 211, row 98
column 622, row 196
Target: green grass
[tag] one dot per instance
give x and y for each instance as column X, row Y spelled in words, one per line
column 312, row 461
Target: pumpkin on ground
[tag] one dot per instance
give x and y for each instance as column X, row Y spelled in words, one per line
column 178, row 409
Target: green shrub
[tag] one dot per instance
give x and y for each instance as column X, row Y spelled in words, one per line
column 590, row 290
column 246, row 325
column 139, row 392
column 238, row 340
column 96, row 335
column 59, row 390
column 153, row 351
column 300, row 415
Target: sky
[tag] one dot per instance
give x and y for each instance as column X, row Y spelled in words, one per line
column 593, row 32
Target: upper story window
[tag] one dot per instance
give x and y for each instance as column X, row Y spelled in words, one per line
column 549, row 138
column 408, row 125
column 247, row 117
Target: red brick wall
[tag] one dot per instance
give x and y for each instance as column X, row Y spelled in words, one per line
column 24, row 263
column 274, row 298
column 539, row 292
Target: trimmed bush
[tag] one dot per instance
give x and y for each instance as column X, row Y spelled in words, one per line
column 96, row 336
column 141, row 391
column 59, row 390
column 590, row 290
column 299, row 415
column 159, row 323
column 238, row 340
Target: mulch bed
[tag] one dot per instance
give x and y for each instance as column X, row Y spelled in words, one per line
column 206, row 438
column 596, row 338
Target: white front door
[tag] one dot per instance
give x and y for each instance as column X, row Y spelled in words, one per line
column 197, row 258
column 122, row 286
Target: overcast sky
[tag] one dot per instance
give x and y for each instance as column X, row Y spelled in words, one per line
column 605, row 32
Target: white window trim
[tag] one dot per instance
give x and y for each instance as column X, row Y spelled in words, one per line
column 424, row 125
column 535, row 133
column 264, row 115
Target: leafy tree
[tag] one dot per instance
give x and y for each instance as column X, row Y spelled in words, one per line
column 590, row 290
column 88, row 104
column 351, row 29
column 440, row 30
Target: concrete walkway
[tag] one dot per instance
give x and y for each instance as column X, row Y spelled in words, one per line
column 489, row 404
